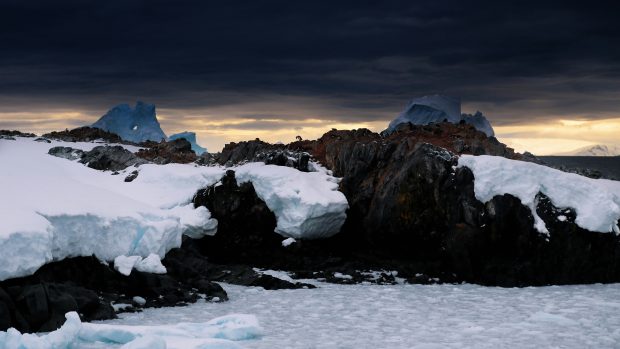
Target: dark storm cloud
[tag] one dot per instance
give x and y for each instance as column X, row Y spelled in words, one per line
column 516, row 59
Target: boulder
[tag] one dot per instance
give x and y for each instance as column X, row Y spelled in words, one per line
column 66, row 153
column 113, row 158
column 175, row 151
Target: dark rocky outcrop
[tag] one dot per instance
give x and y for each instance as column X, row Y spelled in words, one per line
column 112, row 158
column 175, row 151
column 413, row 211
column 14, row 133
column 84, row 284
column 85, row 134
column 259, row 151
column 103, row 157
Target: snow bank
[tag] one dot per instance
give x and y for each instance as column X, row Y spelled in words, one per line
column 307, row 205
column 54, row 208
column 595, row 201
column 218, row 333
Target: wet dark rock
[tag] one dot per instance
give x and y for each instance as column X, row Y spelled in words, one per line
column 245, row 223
column 8, row 138
column 33, row 305
column 42, row 140
column 188, row 263
column 175, row 151
column 83, row 284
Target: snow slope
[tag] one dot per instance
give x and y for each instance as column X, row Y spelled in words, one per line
column 135, row 125
column 437, row 108
column 595, row 201
column 219, row 333
column 594, row 150
column 53, row 208
column 191, row 138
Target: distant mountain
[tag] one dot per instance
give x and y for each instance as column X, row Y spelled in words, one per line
column 137, row 124
column 439, row 108
column 594, row 150
column 191, row 138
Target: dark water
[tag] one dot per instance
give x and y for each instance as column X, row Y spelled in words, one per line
column 608, row 166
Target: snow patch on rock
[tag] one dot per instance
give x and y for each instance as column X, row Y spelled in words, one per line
column 307, row 205
column 595, row 201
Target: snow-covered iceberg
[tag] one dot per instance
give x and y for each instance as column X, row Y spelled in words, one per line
column 595, row 201
column 137, row 124
column 54, row 208
column 439, row 108
column 191, row 138
column 594, row 150
column 219, row 333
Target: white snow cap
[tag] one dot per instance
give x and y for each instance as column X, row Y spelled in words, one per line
column 595, row 201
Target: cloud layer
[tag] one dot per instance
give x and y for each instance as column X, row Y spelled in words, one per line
column 229, row 69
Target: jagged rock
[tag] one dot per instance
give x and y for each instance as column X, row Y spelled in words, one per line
column 175, row 151
column 8, row 138
column 14, row 133
column 413, row 211
column 66, row 153
column 84, row 134
column 271, row 154
column 113, row 158
column 42, row 140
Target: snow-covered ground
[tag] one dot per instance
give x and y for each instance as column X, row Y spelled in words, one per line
column 595, row 201
column 54, row 208
column 415, row 316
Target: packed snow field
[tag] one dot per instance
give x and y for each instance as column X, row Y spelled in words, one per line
column 414, row 316
column 54, row 208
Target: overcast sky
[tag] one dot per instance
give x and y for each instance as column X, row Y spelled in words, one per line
column 233, row 70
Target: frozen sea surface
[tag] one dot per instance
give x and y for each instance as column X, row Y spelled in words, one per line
column 416, row 316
